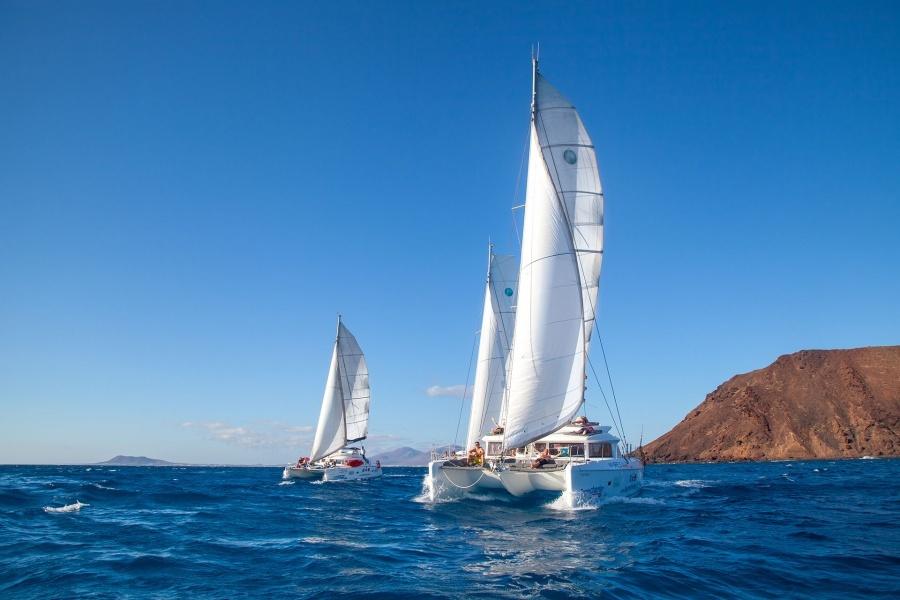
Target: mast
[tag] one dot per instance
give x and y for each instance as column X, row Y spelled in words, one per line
column 341, row 371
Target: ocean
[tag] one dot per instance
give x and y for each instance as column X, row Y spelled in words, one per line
column 811, row 529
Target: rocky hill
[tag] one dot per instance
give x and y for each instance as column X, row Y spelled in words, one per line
column 811, row 404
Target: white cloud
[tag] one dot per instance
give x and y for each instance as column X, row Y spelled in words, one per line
column 265, row 434
column 448, row 391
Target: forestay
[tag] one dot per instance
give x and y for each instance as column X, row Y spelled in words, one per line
column 562, row 248
column 493, row 347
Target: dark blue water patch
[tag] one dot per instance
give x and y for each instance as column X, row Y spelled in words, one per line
column 803, row 529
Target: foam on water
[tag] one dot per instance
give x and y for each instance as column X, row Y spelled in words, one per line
column 77, row 506
column 286, row 483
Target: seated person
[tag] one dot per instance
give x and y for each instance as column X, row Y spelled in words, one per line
column 543, row 458
column 476, row 455
column 497, row 430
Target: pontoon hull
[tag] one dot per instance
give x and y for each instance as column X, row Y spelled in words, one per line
column 600, row 478
column 301, row 473
column 451, row 481
column 352, row 473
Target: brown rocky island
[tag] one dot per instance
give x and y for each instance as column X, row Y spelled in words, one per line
column 810, row 404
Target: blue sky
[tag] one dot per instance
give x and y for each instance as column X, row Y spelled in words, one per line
column 190, row 192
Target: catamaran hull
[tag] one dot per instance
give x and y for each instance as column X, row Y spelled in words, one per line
column 352, row 473
column 295, row 473
column 450, row 481
column 598, row 478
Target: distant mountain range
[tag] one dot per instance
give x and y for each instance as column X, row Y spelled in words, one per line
column 810, row 404
column 137, row 461
column 408, row 457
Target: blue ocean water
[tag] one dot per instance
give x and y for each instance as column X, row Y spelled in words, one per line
column 802, row 529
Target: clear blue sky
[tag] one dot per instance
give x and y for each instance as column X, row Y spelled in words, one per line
column 190, row 191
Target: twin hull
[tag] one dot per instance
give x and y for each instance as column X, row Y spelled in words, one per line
column 333, row 473
column 603, row 478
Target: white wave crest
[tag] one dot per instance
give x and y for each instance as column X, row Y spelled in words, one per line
column 67, row 508
column 102, row 487
column 692, row 483
column 286, row 483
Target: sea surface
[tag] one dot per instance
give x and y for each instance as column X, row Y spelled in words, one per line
column 818, row 529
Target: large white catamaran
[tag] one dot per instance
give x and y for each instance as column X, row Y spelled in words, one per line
column 343, row 419
column 536, row 329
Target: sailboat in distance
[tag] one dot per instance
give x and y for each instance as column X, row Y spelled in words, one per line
column 343, row 419
column 539, row 444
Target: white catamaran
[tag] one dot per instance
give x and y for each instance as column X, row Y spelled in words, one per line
column 343, row 419
column 532, row 358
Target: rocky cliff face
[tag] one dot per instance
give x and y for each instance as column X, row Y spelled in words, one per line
column 811, row 404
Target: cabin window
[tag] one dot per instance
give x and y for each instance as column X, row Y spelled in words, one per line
column 494, row 448
column 576, row 450
column 539, row 446
column 511, row 452
column 602, row 450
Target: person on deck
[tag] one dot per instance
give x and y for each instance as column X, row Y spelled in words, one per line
column 476, row 455
column 543, row 458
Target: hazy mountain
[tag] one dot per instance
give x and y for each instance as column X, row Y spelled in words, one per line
column 408, row 457
column 136, row 461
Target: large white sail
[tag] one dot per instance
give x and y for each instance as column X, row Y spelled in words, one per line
column 330, row 430
column 493, row 347
column 354, row 386
column 562, row 248
column 344, row 416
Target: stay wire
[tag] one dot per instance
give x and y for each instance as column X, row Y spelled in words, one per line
column 462, row 402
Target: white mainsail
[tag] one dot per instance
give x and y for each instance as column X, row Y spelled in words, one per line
column 344, row 417
column 493, row 347
column 562, row 247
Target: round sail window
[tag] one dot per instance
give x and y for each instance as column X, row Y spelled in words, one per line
column 508, row 291
column 570, row 157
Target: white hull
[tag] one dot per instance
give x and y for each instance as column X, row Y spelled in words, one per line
column 603, row 478
column 352, row 473
column 301, row 473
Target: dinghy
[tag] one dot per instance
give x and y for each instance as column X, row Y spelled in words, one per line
column 533, row 353
column 343, row 419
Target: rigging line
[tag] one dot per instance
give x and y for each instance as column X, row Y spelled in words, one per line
column 609, row 376
column 519, row 183
column 612, row 417
column 462, row 402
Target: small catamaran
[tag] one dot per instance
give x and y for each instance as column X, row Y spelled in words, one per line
column 536, row 328
column 343, row 419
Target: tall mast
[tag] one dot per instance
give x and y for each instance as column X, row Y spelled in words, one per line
column 341, row 372
column 534, row 72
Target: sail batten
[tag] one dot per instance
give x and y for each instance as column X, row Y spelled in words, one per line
column 562, row 248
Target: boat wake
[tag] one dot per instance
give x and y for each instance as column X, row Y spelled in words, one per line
column 286, row 483
column 66, row 509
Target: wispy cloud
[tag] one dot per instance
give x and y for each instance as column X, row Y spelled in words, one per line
column 447, row 391
column 264, row 434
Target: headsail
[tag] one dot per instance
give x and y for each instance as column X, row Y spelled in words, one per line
column 559, row 274
column 493, row 347
column 344, row 416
